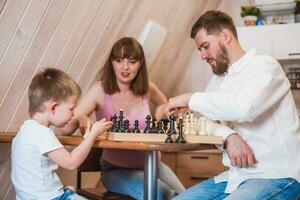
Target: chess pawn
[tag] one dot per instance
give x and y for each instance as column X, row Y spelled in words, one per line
column 126, row 126
column 203, row 126
column 180, row 138
column 136, row 127
column 160, row 128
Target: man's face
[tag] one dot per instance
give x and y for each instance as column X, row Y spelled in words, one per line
column 213, row 51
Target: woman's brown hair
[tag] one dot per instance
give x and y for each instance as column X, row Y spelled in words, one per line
column 130, row 48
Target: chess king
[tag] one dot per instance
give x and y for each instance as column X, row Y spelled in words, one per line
column 122, row 83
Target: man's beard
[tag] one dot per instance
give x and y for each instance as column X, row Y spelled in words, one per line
column 222, row 61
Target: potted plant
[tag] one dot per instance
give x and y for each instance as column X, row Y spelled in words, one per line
column 250, row 14
column 297, row 11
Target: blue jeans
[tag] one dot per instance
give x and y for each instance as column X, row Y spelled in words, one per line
column 131, row 182
column 69, row 195
column 252, row 189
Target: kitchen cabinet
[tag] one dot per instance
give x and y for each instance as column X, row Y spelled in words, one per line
column 196, row 166
column 280, row 41
column 286, row 41
column 257, row 37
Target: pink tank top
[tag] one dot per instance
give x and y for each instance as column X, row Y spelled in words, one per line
column 120, row 157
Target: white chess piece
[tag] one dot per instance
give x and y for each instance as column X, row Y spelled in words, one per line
column 202, row 126
column 186, row 124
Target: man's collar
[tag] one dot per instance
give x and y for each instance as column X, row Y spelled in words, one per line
column 240, row 63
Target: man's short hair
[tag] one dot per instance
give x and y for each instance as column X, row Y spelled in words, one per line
column 214, row 22
column 50, row 84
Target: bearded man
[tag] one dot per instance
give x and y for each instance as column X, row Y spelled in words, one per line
column 252, row 93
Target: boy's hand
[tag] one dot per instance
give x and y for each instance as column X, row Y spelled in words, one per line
column 100, row 127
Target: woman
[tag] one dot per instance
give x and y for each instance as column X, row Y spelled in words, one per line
column 123, row 84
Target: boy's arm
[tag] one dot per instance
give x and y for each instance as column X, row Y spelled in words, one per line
column 74, row 159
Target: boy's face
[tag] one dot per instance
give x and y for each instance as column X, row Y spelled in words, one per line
column 62, row 112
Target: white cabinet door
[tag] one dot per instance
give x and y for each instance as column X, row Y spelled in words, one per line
column 258, row 37
column 286, row 41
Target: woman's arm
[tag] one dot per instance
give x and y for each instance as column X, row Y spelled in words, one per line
column 89, row 102
column 158, row 99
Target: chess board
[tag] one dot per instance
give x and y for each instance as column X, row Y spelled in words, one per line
column 194, row 131
column 154, row 137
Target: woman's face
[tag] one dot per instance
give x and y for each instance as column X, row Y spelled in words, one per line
column 126, row 69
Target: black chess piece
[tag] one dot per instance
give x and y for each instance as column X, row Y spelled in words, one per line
column 165, row 124
column 180, row 138
column 160, row 127
column 153, row 128
column 148, row 121
column 136, row 127
column 126, row 126
column 120, row 124
column 111, row 128
column 115, row 123
column 171, row 130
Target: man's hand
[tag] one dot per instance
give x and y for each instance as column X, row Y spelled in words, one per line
column 180, row 103
column 239, row 151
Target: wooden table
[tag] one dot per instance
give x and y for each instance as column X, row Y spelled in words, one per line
column 150, row 148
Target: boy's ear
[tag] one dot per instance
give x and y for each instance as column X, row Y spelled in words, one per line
column 53, row 106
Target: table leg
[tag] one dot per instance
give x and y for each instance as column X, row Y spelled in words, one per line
column 150, row 175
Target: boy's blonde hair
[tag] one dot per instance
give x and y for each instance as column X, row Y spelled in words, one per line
column 50, row 84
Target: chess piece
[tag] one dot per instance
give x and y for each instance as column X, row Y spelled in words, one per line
column 180, row 138
column 121, row 117
column 153, row 128
column 115, row 123
column 148, row 121
column 160, row 127
column 111, row 128
column 165, row 124
column 171, row 130
column 186, row 124
column 202, row 126
column 126, row 126
column 136, row 127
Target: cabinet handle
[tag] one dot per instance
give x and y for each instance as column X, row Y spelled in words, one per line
column 200, row 157
column 294, row 54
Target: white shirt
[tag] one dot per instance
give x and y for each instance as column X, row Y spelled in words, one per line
column 255, row 97
column 33, row 173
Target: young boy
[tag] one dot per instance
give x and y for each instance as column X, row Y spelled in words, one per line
column 36, row 152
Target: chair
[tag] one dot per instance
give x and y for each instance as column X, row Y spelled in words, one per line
column 91, row 164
